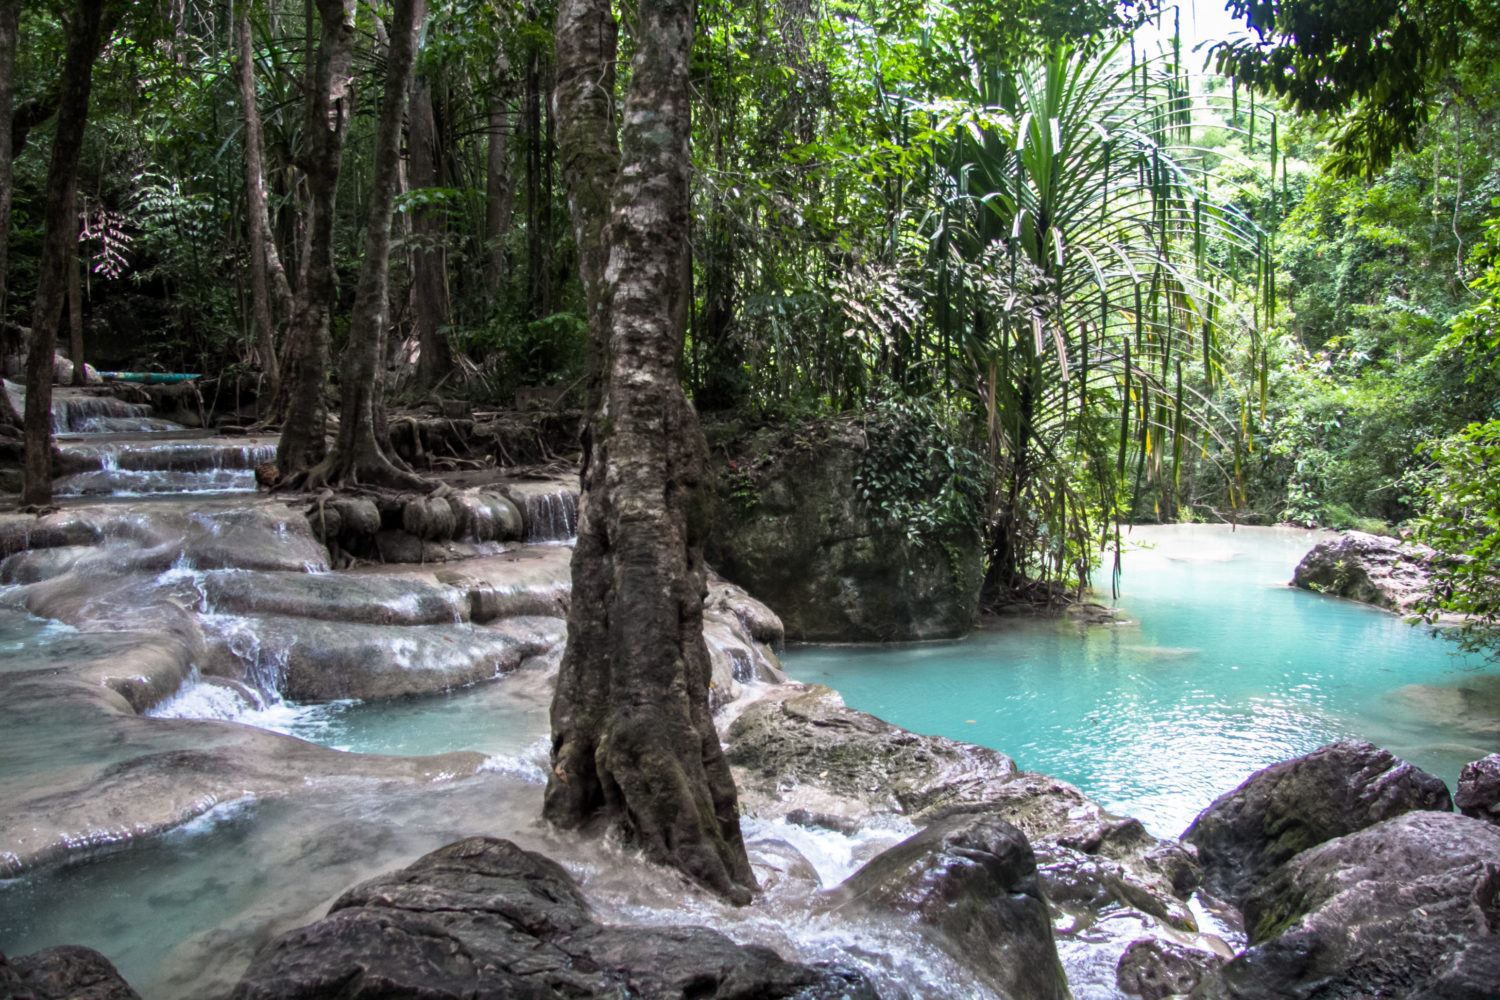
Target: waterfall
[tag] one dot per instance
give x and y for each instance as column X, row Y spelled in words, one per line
column 551, row 516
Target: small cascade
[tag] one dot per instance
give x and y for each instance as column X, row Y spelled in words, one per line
column 148, row 466
column 551, row 517
column 264, row 668
column 72, row 414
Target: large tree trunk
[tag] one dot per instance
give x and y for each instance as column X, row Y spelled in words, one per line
column 429, row 287
column 10, row 14
column 633, row 741
column 59, row 244
column 266, row 272
column 329, row 106
column 361, row 452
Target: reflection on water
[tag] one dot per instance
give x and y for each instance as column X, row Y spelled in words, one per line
column 1220, row 670
column 180, row 915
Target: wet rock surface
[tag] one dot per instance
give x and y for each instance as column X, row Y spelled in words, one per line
column 67, row 972
column 1406, row 907
column 971, row 881
column 234, row 594
column 1478, row 793
column 1154, row 968
column 1298, row 804
column 317, row 660
column 800, row 754
column 1386, row 572
column 483, row 917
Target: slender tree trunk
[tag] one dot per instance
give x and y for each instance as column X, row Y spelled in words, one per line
column 266, row 272
column 10, row 14
column 59, row 244
column 75, row 318
column 499, row 184
column 329, row 106
column 633, row 741
column 361, row 452
column 429, row 296
column 535, row 252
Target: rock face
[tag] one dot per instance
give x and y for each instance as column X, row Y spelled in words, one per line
column 791, row 528
column 67, row 972
column 1154, row 968
column 1478, row 792
column 484, row 918
column 1403, row 908
column 1298, row 804
column 971, row 880
column 1385, row 572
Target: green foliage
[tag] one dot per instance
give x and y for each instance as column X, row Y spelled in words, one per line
column 915, row 471
column 1385, row 348
column 1463, row 524
column 1371, row 66
column 543, row 352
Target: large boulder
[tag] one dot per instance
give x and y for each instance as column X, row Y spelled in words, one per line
column 792, row 528
column 1403, row 908
column 1478, row 793
column 799, row 753
column 66, row 972
column 1156, row 968
column 1386, row 572
column 803, row 747
column 1298, row 804
column 484, row 918
column 971, row 881
column 1470, row 974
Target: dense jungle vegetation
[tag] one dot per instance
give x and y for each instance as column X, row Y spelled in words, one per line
column 1085, row 272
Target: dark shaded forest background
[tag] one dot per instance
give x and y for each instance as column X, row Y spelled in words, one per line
column 1069, row 271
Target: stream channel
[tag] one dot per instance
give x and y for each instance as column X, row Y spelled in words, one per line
column 1215, row 669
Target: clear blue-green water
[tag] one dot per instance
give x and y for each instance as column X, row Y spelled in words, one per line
column 1221, row 669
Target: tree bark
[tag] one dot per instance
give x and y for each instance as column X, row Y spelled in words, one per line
column 500, row 187
column 266, row 271
column 429, row 294
column 10, row 15
column 75, row 317
column 59, row 244
column 329, row 106
column 633, row 741
column 361, row 452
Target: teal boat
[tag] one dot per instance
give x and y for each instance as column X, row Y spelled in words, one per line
column 150, row 378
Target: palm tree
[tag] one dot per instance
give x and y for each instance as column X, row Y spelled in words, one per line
column 1068, row 245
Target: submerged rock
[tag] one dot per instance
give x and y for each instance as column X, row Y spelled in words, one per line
column 1478, row 793
column 971, row 881
column 1298, row 804
column 1387, row 572
column 482, row 918
column 1397, row 909
column 66, row 972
